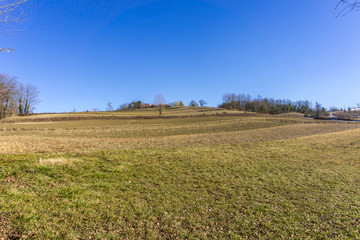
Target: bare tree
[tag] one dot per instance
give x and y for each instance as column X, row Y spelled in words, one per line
column 123, row 106
column 31, row 98
column 15, row 98
column 229, row 97
column 159, row 101
column 202, row 103
column 345, row 6
column 8, row 94
column 109, row 107
column 193, row 103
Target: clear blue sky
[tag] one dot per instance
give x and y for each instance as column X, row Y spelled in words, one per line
column 83, row 54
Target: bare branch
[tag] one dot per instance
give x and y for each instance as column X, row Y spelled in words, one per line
column 11, row 11
column 345, row 6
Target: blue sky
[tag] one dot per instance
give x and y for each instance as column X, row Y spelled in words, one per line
column 82, row 54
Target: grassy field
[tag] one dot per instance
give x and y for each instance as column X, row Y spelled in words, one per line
column 134, row 114
column 196, row 175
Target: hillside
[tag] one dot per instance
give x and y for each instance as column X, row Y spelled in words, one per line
column 130, row 114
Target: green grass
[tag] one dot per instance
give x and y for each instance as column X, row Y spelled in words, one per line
column 294, row 185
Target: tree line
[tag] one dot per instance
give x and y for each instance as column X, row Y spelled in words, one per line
column 16, row 99
column 244, row 102
column 159, row 102
column 240, row 102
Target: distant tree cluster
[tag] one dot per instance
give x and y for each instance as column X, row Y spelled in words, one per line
column 193, row 103
column 244, row 102
column 178, row 104
column 159, row 103
column 136, row 105
column 16, row 99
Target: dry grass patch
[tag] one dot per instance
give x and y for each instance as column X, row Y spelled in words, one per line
column 291, row 115
column 5, row 226
column 32, row 123
column 85, row 141
column 58, row 161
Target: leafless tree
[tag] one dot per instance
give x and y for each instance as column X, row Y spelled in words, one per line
column 159, row 101
column 345, row 6
column 202, row 103
column 123, row 106
column 229, row 97
column 8, row 95
column 109, row 107
column 15, row 98
column 193, row 103
column 30, row 97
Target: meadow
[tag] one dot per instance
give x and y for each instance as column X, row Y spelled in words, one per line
column 196, row 173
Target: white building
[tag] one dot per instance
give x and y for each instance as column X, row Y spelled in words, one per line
column 355, row 109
